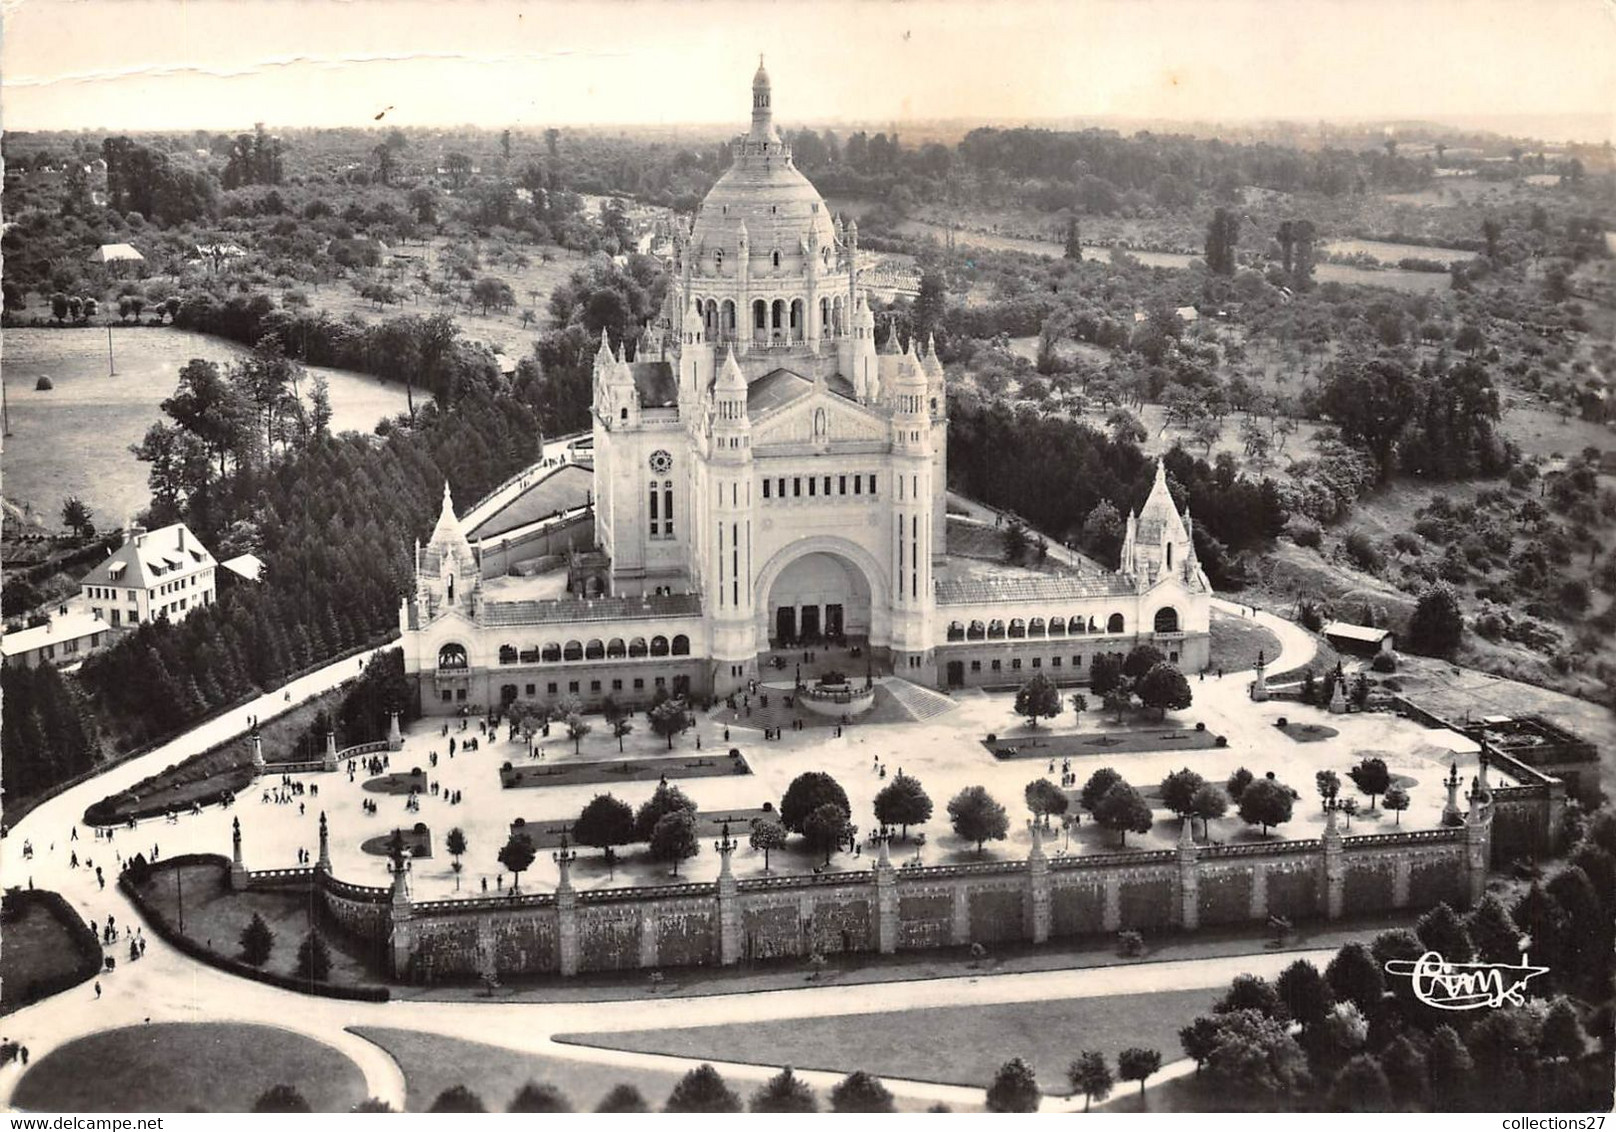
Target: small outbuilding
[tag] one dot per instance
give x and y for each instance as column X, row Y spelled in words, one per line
column 1358, row 640
column 116, row 253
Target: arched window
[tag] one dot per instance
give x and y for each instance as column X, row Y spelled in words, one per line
column 507, row 654
column 636, row 647
column 775, row 258
column 594, row 650
column 551, row 653
column 681, row 645
column 956, row 630
column 976, row 632
column 1114, row 623
column 760, row 315
column 1018, row 627
column 1035, row 627
column 1057, row 626
column 616, row 649
column 718, row 260
column 659, row 646
column 1167, row 620
column 574, row 650
column 1077, row 625
column 995, row 630
column 452, row 656
column 727, row 313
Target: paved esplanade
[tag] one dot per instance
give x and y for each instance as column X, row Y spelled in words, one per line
column 167, row 986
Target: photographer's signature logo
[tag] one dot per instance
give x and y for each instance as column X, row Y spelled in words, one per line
column 1465, row 986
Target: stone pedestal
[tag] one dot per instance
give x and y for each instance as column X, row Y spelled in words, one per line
column 257, row 752
column 239, row 880
column 1040, row 910
column 329, row 761
column 1338, row 699
column 324, row 862
column 1111, row 917
column 567, row 931
column 729, row 904
column 1335, row 868
column 401, row 915
column 395, row 737
column 886, row 903
column 1189, row 877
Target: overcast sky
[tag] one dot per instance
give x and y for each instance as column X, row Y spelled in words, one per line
column 139, row 64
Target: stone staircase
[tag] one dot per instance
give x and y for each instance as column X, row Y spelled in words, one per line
column 921, row 703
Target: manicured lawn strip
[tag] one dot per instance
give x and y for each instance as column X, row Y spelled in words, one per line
column 185, row 1067
column 959, row 1045
column 1309, row 732
column 432, row 1063
column 47, row 948
column 1236, row 641
column 693, row 765
column 1025, row 745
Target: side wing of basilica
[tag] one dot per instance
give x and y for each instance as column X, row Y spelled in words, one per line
column 763, row 479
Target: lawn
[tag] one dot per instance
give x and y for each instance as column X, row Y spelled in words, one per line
column 961, row 1045
column 40, row 948
column 75, row 438
column 417, row 842
column 187, row 1067
column 432, row 1063
column 1030, row 746
column 1309, row 732
column 624, row 770
column 215, row 917
column 1236, row 641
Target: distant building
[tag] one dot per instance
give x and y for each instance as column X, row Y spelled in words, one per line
column 1359, row 640
column 67, row 639
column 247, row 567
column 115, row 254
column 163, row 573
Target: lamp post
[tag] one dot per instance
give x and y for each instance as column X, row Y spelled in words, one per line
column 725, row 844
column 564, row 857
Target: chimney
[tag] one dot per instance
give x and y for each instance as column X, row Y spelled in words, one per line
column 181, row 530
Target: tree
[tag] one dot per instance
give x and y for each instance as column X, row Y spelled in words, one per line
column 1437, row 623
column 1449, row 1065
column 1361, row 1086
column 807, row 792
column 1038, row 697
column 623, row 1098
column 455, row 844
column 1178, row 791
column 826, row 829
column 1265, row 803
column 673, row 838
column 577, row 728
column 457, row 1098
column 1094, row 789
column 76, row 517
column 1494, row 934
column 860, row 1092
column 1253, row 1053
column 1105, row 673
column 1406, row 1070
column 604, row 822
column 1328, row 783
column 1371, row 777
column 1164, row 689
column 1304, row 993
column 977, row 817
column 1125, row 810
column 1355, row 977
column 490, row 291
column 1016, row 539
column 1249, row 992
column 1397, row 801
column 670, row 718
column 767, row 835
column 281, row 1099
column 663, row 801
column 1141, row 660
column 930, row 305
column 1044, row 799
column 1072, row 246
column 314, row 957
column 1563, row 1035
column 1341, row 1033
column 1014, row 1088
column 517, row 855
column 257, row 940
column 702, row 1090
column 784, row 1092
column 1137, row 1064
column 1102, row 529
column 1222, row 234
column 1091, row 1076
column 1238, row 781
column 621, row 728
column 903, row 802
column 533, row 1097
column 1209, row 802
column 1199, row 1039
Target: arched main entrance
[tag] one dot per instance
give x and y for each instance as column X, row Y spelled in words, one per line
column 818, row 597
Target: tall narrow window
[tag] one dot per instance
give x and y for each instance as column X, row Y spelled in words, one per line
column 655, row 525
column 667, row 508
column 766, row 485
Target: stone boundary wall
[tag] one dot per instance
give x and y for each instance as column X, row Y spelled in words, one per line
column 888, row 908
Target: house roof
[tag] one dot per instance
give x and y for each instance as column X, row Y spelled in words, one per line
column 248, row 566
column 1365, row 633
column 111, row 253
column 973, row 591
column 67, row 627
column 149, row 557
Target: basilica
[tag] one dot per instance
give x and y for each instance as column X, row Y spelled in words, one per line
column 762, row 477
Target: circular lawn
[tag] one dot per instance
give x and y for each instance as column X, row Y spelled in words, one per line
column 187, row 1067
column 398, row 782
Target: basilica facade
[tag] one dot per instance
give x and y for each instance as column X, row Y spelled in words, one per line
column 766, row 477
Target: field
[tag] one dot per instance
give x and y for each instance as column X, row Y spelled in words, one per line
column 949, row 1045
column 39, row 948
column 1389, row 253
column 75, row 439
column 187, row 1067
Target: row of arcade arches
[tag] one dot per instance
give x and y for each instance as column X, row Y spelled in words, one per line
column 1017, row 628
column 453, row 656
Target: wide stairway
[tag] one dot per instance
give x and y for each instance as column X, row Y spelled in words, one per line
column 921, row 703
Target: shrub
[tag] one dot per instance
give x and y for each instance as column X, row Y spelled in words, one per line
column 1362, row 552
column 1384, row 662
column 1221, row 741
column 43, row 385
column 1130, row 944
column 1305, row 533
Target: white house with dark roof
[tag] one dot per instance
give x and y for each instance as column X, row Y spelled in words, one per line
column 165, row 573
column 766, row 478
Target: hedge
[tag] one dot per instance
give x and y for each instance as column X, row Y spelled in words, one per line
column 83, row 939
column 161, row 927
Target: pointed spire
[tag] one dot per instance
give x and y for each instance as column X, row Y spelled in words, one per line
column 730, row 376
column 448, row 511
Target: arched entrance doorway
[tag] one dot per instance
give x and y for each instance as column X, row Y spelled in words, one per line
column 819, row 597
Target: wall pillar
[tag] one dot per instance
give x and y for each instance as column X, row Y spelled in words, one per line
column 257, row 751
column 1111, row 918
column 1259, row 891
column 324, row 863
column 648, row 937
column 401, row 917
column 1040, row 911
column 1402, row 872
column 886, row 903
column 1189, row 877
column 395, row 737
column 961, row 933
column 1478, row 850
column 329, row 762
column 566, row 913
column 729, row 903
column 1335, row 868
